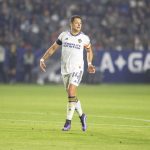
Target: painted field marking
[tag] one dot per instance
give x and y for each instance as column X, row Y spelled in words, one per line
column 61, row 123
column 96, row 116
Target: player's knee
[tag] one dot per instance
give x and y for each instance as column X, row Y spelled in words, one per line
column 72, row 90
column 71, row 93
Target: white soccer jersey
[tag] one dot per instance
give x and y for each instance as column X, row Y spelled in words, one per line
column 72, row 51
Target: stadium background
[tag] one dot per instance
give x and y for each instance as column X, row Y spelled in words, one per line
column 32, row 116
column 119, row 31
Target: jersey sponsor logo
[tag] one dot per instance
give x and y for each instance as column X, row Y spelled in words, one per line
column 71, row 45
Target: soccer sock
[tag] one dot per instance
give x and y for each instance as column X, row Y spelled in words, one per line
column 78, row 108
column 71, row 107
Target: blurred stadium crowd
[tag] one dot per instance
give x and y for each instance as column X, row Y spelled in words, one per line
column 32, row 25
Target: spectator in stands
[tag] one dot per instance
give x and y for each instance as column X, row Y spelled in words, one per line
column 114, row 24
column 2, row 61
column 12, row 64
column 28, row 60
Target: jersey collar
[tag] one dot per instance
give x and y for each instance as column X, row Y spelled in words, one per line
column 76, row 34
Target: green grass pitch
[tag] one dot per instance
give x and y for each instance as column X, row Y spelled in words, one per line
column 31, row 118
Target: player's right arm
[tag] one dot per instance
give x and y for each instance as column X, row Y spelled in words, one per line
column 49, row 52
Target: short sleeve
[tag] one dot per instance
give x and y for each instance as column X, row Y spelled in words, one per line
column 59, row 40
column 87, row 42
column 60, row 36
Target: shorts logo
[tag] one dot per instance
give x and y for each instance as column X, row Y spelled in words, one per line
column 79, row 40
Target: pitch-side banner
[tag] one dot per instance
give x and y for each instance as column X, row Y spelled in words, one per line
column 123, row 66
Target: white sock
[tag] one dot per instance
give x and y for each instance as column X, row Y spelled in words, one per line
column 78, row 108
column 70, row 110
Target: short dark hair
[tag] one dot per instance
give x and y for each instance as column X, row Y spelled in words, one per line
column 74, row 17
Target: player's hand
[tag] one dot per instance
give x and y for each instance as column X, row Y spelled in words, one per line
column 91, row 68
column 42, row 65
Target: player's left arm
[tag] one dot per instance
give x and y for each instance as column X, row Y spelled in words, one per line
column 89, row 50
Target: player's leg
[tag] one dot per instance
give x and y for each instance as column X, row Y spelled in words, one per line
column 72, row 94
column 71, row 102
column 75, row 80
column 82, row 116
column 71, row 83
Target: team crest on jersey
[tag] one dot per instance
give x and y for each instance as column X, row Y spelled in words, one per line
column 66, row 38
column 79, row 40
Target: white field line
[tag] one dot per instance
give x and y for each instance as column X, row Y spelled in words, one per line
column 125, row 118
column 113, row 117
column 27, row 143
column 118, row 125
column 93, row 125
column 29, row 121
column 95, row 116
column 28, row 113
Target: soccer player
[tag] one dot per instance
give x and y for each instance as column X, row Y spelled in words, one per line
column 73, row 43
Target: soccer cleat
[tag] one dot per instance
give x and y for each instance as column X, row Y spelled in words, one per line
column 83, row 122
column 67, row 125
